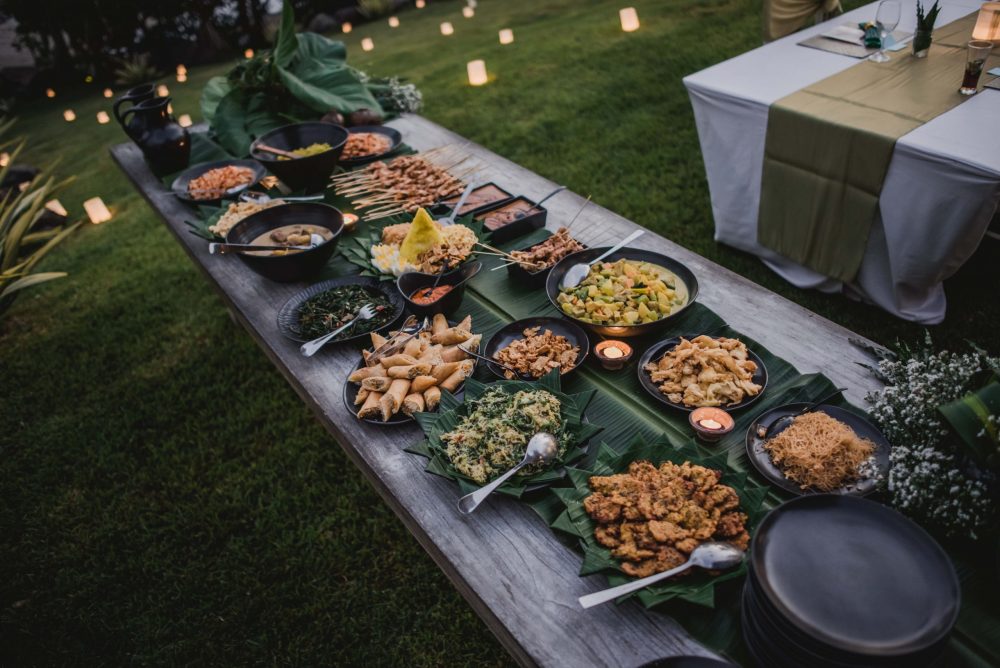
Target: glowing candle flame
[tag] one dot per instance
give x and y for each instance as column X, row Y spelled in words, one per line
column 108, row 92
column 447, row 28
column 367, row 44
column 69, row 115
column 49, row 92
column 162, row 90
column 468, row 12
column 393, row 22
column 477, row 72
column 102, row 117
column 346, row 27
column 421, row 4
column 185, row 121
column 248, row 54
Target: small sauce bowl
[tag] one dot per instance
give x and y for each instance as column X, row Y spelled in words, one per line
column 710, row 423
column 613, row 354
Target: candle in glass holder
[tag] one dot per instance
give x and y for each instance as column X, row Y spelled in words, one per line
column 184, row 120
column 447, row 29
column 710, row 423
column 477, row 72
column 393, row 21
column 506, row 36
column 629, row 18
column 102, row 117
column 346, row 27
column 96, row 210
column 367, row 44
column 108, row 92
column 468, row 12
column 350, row 222
column 613, row 354
column 69, row 115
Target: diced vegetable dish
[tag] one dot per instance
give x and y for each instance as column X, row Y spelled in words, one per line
column 624, row 292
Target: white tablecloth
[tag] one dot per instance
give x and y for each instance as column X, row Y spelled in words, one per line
column 939, row 195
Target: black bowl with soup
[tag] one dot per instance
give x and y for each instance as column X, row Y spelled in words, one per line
column 288, row 224
column 672, row 272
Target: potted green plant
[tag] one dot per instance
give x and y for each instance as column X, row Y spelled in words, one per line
column 925, row 28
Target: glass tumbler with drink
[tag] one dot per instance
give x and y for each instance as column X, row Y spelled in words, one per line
column 978, row 52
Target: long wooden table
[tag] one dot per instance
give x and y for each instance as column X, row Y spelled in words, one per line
column 504, row 560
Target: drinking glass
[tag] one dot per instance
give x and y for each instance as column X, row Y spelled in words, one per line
column 978, row 52
column 886, row 20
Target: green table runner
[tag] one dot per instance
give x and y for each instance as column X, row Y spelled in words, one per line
column 829, row 145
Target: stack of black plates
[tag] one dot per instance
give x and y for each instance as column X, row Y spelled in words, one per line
column 841, row 581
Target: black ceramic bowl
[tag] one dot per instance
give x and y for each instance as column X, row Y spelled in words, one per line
column 311, row 173
column 412, row 281
column 618, row 331
column 180, row 184
column 294, row 266
column 395, row 139
column 515, row 330
column 658, row 350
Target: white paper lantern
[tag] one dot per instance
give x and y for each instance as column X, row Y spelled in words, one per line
column 477, row 72
column 506, row 36
column 447, row 28
column 96, row 210
column 629, row 18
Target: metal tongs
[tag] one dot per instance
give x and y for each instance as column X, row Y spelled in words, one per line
column 411, row 329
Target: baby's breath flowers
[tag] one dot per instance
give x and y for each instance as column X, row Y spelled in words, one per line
column 930, row 478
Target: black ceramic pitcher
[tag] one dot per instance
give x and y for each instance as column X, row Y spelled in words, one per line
column 166, row 145
column 132, row 97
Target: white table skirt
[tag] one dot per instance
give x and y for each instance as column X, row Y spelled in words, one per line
column 939, row 195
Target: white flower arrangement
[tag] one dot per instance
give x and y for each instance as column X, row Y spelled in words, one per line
column 930, row 479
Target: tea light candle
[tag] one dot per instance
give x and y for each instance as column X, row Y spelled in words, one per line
column 56, row 207
column 629, row 18
column 346, row 27
column 69, row 115
column 421, row 4
column 367, row 44
column 447, row 29
column 468, row 12
column 96, row 210
column 393, row 21
column 162, row 90
column 710, row 423
column 506, row 36
column 248, row 54
column 102, row 117
column 108, row 93
column 613, row 354
column 49, row 92
column 184, row 120
column 350, row 222
column 477, row 72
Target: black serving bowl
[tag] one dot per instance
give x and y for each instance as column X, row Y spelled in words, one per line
column 621, row 331
column 412, row 281
column 534, row 220
column 180, row 184
column 311, row 173
column 515, row 330
column 395, row 139
column 294, row 266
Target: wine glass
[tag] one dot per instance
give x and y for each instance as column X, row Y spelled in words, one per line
column 886, row 20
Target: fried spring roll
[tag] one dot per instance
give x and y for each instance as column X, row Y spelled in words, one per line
column 362, row 395
column 432, row 397
column 409, row 372
column 377, row 340
column 442, row 371
column 366, row 372
column 413, row 347
column 421, row 383
column 452, row 382
column 370, row 408
column 439, row 324
column 466, row 324
column 398, row 360
column 453, row 354
column 393, row 398
column 413, row 403
column 451, row 336
column 431, row 355
column 376, row 383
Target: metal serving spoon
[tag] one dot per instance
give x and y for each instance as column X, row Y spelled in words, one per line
column 713, row 556
column 218, row 248
column 764, row 429
column 542, row 448
column 450, row 220
column 575, row 274
column 262, row 198
column 310, row 348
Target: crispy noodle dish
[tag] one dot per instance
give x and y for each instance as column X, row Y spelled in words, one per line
column 820, row 452
column 422, row 245
column 705, row 372
column 537, row 354
column 652, row 518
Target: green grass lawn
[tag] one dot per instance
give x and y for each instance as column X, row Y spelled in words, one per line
column 165, row 498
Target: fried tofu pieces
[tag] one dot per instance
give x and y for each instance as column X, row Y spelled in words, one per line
column 652, row 518
column 537, row 354
column 411, row 380
column 705, row 371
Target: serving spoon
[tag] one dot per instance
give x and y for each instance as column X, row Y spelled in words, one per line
column 575, row 274
column 542, row 449
column 713, row 556
column 262, row 198
column 218, row 248
column 450, row 220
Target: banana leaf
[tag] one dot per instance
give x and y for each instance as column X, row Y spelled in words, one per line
column 697, row 587
column 973, row 419
column 452, row 410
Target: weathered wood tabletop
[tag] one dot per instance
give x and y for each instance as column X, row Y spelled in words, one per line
column 504, row 560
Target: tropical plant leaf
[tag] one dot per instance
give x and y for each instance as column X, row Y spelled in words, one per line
column 322, row 88
column 314, row 47
column 28, row 281
column 973, row 420
column 213, row 92
column 230, row 123
column 286, row 44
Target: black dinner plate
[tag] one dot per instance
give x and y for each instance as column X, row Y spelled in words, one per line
column 762, row 460
column 180, row 184
column 288, row 316
column 855, row 576
column 351, row 390
column 395, row 139
column 658, row 350
column 515, row 330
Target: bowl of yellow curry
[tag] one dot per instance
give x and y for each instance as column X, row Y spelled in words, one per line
column 630, row 293
column 317, row 147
